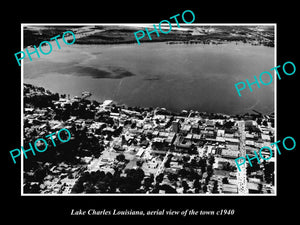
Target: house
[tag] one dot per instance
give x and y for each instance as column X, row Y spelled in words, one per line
column 210, row 123
column 254, row 180
column 196, row 137
column 155, row 133
column 232, row 141
column 186, row 128
column 265, row 137
column 249, row 136
column 220, row 139
column 229, row 188
column 140, row 152
column 106, row 105
column 209, row 149
column 227, row 135
column 209, row 134
column 250, row 151
column 253, row 187
column 189, row 136
column 170, row 139
column 163, row 134
column 218, row 151
column 230, row 153
column 221, row 133
column 58, row 125
column 249, row 143
column 232, row 147
column 108, row 130
column 97, row 126
column 29, row 110
column 115, row 115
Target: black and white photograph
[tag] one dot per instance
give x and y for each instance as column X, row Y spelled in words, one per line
column 146, row 113
column 159, row 117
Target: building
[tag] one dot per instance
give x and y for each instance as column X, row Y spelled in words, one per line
column 176, row 126
column 230, row 153
column 182, row 144
column 186, row 128
column 265, row 137
column 229, row 189
column 140, row 152
column 221, row 133
column 195, row 128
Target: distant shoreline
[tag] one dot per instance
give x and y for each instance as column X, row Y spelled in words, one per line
column 123, row 35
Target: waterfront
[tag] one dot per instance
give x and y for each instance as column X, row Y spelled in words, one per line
column 176, row 77
column 116, row 149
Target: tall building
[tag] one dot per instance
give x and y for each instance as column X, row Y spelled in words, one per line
column 176, row 126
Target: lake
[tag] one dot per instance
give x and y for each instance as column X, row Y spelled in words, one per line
column 196, row 76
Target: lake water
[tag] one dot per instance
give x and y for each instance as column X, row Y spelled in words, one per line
column 176, row 77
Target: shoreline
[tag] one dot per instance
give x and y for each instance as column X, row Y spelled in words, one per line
column 118, row 34
column 172, row 112
column 111, row 144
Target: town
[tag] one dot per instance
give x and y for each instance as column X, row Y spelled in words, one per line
column 118, row 149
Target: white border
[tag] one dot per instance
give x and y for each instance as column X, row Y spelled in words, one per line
column 142, row 25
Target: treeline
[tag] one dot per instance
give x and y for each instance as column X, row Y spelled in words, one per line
column 35, row 37
column 40, row 98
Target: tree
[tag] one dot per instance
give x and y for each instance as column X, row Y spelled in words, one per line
column 147, row 183
column 167, row 164
column 185, row 186
column 259, row 121
column 255, row 166
column 159, row 178
column 215, row 187
column 168, row 189
column 139, row 174
column 120, row 157
column 133, row 180
column 182, row 173
column 172, row 177
column 210, row 170
column 194, row 163
column 225, row 180
column 193, row 149
column 39, row 174
column 218, row 125
column 211, row 160
column 186, row 158
column 269, row 171
column 90, row 189
column 227, row 166
column 139, row 163
column 77, row 188
column 101, row 187
column 228, row 124
column 197, row 184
